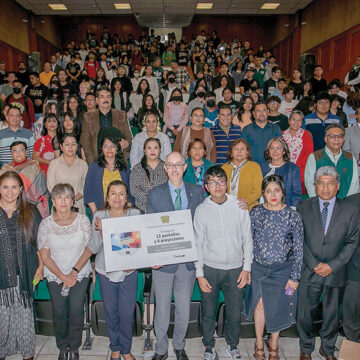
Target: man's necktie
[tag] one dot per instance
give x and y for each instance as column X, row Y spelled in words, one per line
column 178, row 204
column 324, row 214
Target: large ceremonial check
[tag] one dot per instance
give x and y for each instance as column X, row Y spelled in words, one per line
column 134, row 242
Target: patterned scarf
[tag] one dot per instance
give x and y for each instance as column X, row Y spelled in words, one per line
column 234, row 182
column 8, row 267
column 295, row 143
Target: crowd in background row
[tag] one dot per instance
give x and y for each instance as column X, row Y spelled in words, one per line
column 103, row 118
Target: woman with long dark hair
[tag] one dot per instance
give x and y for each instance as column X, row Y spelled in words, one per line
column 142, row 90
column 101, row 78
column 69, row 169
column 306, row 90
column 151, row 130
column 244, row 115
column 297, row 83
column 68, row 125
column 120, row 98
column 20, row 265
column 33, row 178
column 148, row 173
column 43, row 150
column 278, row 237
column 118, row 288
column 148, row 105
column 110, row 166
column 73, row 106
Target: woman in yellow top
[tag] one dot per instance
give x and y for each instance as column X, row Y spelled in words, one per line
column 110, row 166
column 244, row 176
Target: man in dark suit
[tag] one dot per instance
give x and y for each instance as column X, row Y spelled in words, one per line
column 351, row 302
column 104, row 117
column 331, row 229
column 180, row 278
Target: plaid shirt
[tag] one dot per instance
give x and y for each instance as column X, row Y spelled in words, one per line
column 181, row 77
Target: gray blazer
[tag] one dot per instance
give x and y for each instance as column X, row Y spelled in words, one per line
column 159, row 200
column 352, row 140
column 335, row 248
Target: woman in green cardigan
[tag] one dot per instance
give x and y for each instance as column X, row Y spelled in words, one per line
column 197, row 164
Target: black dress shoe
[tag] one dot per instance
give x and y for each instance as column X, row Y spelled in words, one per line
column 160, row 357
column 181, row 355
column 74, row 355
column 63, row 355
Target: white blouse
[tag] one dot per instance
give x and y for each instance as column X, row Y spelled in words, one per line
column 66, row 245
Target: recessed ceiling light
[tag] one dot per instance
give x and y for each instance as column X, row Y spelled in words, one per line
column 270, row 6
column 122, row 6
column 57, row 6
column 204, row 6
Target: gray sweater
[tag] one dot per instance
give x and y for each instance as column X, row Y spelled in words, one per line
column 222, row 236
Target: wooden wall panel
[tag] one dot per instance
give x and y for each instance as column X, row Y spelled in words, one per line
column 290, row 57
column 11, row 56
column 343, row 50
column 75, row 27
column 45, row 48
column 340, row 51
column 354, row 42
column 287, row 52
column 336, row 55
column 325, row 55
column 229, row 27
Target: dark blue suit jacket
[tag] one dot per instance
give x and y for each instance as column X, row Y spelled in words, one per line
column 159, row 200
column 291, row 175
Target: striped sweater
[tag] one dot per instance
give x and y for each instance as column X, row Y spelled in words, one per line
column 7, row 137
column 223, row 141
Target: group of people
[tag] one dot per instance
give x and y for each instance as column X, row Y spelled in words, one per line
column 94, row 149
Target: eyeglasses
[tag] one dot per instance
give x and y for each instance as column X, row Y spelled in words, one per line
column 18, row 150
column 220, row 182
column 175, row 166
column 107, row 147
column 336, row 136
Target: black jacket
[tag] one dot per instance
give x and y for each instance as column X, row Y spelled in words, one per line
column 335, row 248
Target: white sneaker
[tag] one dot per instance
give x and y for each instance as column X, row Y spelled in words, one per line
column 233, row 352
column 210, row 354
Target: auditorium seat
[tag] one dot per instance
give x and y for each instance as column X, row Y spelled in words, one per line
column 98, row 324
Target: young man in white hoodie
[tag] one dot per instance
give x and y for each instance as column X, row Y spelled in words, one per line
column 224, row 246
